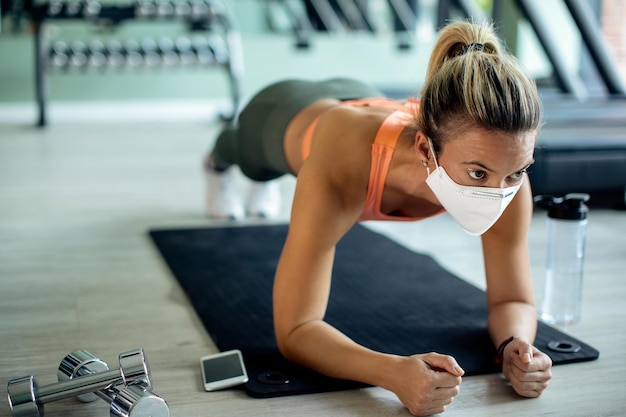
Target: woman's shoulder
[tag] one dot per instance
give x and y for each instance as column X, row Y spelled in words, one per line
column 357, row 122
column 342, row 144
column 347, row 133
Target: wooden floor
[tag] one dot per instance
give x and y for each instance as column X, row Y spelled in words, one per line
column 77, row 271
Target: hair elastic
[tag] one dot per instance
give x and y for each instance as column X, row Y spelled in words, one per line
column 500, row 352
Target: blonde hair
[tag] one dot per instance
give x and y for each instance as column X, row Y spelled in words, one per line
column 471, row 81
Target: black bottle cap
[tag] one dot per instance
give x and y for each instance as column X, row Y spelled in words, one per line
column 569, row 207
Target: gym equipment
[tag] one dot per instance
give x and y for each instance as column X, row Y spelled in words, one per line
column 81, row 363
column 222, row 42
column 164, row 9
column 343, row 16
column 80, row 375
column 131, row 401
column 185, row 51
column 92, row 9
column 135, row 400
column 182, row 9
column 203, row 50
column 55, row 8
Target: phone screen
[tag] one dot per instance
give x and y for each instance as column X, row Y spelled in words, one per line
column 223, row 370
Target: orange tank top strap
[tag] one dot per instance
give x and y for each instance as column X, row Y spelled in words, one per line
column 391, row 128
column 307, row 139
column 382, row 152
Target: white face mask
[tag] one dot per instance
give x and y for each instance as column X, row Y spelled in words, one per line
column 476, row 209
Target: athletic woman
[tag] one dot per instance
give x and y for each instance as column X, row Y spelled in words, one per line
column 463, row 147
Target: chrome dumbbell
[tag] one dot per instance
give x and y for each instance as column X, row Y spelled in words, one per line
column 134, row 400
column 80, row 363
column 27, row 399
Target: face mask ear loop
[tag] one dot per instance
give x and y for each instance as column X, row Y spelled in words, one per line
column 430, row 145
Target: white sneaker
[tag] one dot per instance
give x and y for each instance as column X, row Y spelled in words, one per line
column 264, row 200
column 222, row 199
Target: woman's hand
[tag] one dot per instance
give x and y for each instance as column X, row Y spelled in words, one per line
column 427, row 383
column 527, row 368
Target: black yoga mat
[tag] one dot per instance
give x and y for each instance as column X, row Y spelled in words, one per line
column 383, row 295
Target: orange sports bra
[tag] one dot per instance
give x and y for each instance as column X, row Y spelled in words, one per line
column 382, row 151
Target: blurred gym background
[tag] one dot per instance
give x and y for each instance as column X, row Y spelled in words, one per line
column 201, row 54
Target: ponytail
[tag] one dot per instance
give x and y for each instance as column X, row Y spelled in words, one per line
column 472, row 82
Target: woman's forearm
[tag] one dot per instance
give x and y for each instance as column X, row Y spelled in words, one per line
column 319, row 346
column 512, row 319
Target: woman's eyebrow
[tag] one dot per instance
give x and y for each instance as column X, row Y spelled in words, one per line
column 480, row 164
column 486, row 168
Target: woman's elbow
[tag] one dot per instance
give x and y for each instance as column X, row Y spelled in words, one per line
column 290, row 338
column 281, row 340
column 285, row 342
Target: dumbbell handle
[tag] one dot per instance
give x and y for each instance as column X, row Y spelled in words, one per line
column 133, row 368
column 61, row 390
column 71, row 388
column 80, row 363
column 26, row 399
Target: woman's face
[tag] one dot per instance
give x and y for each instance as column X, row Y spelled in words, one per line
column 482, row 158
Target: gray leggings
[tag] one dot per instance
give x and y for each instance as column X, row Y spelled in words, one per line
column 255, row 143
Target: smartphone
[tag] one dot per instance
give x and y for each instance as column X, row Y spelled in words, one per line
column 223, row 370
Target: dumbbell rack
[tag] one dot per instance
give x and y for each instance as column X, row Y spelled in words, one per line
column 221, row 48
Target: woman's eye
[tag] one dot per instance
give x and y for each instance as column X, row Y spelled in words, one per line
column 476, row 174
column 518, row 174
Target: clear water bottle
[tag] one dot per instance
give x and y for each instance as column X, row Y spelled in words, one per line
column 567, row 230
